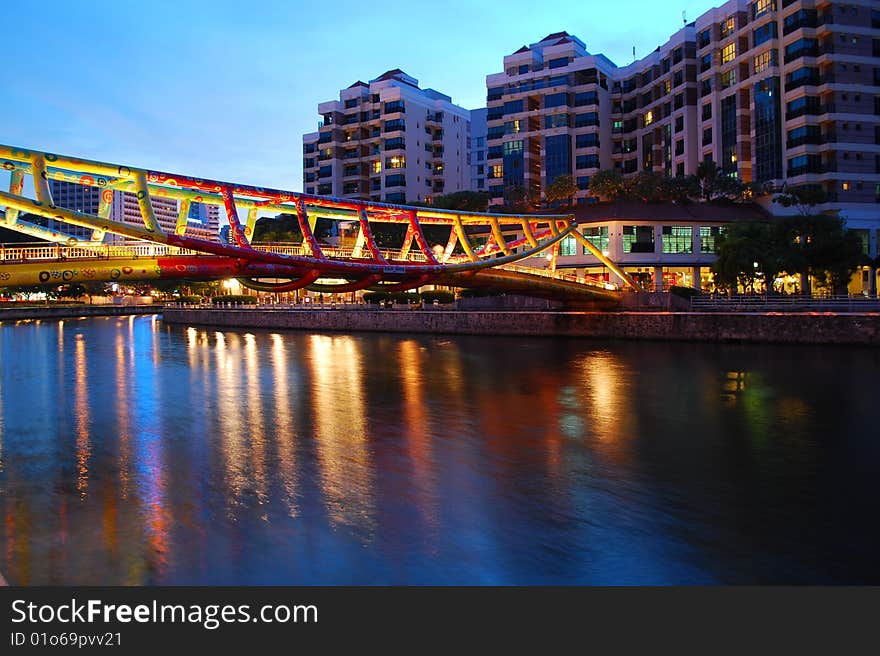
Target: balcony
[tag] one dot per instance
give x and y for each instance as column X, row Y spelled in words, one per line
column 803, row 170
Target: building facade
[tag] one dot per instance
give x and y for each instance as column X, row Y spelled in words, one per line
column 202, row 222
column 388, row 141
column 477, row 149
column 773, row 91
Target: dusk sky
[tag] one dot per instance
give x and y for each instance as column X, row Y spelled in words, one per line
column 226, row 89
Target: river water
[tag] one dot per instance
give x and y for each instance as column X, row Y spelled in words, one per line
column 133, row 452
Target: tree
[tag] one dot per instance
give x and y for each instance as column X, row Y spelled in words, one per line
column 715, row 185
column 519, row 199
column 647, row 186
column 821, row 247
column 681, row 189
column 561, row 190
column 745, row 256
column 466, row 201
column 608, row 184
column 281, row 228
column 803, row 198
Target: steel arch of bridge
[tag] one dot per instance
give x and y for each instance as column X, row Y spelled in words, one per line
column 366, row 266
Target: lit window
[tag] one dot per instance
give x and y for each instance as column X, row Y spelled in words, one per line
column 762, row 61
column 763, row 6
column 496, row 171
column 846, row 186
column 728, row 53
column 395, row 162
column 728, row 78
column 649, row 118
column 377, row 167
column 727, row 27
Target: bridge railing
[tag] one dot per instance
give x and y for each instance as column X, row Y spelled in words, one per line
column 30, row 252
column 557, row 275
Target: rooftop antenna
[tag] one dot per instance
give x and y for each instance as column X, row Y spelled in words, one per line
column 684, row 17
column 634, row 53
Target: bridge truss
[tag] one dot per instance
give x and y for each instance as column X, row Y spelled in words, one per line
column 148, row 252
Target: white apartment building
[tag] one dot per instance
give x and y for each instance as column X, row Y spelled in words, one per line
column 388, row 141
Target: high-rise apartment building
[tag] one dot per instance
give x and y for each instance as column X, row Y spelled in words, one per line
column 775, row 91
column 388, row 141
column 202, row 222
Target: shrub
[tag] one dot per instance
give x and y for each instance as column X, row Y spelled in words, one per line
column 239, row 299
column 374, row 298
column 190, row 300
column 438, row 295
column 684, row 292
column 405, row 298
column 477, row 293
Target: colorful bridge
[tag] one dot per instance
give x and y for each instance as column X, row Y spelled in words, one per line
column 482, row 250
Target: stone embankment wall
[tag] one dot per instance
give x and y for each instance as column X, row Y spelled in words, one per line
column 863, row 329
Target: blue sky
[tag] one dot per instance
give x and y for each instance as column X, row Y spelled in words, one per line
column 226, row 89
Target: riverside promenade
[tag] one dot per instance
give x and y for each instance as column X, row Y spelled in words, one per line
column 746, row 327
column 73, row 311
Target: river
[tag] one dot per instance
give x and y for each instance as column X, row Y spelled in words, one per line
column 134, row 453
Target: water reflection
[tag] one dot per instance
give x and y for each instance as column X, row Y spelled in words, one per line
column 341, row 438
column 166, row 455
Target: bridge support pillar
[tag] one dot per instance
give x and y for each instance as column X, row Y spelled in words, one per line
column 695, row 277
column 658, row 278
column 872, row 281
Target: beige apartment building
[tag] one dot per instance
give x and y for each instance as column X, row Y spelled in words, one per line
column 388, row 141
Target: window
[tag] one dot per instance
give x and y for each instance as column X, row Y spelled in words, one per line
column 396, row 197
column 649, row 118
column 677, row 239
column 395, row 162
column 394, row 106
column 512, row 147
column 587, row 162
column 707, row 111
column 764, row 61
column 567, row 247
column 638, row 239
column 513, row 127
column 555, row 100
column 396, row 180
column 556, row 121
column 513, row 106
column 764, row 33
column 598, row 237
column 728, row 78
column 583, row 182
column 586, row 98
column 705, row 62
column 376, row 167
column 583, row 120
column 393, row 144
column 679, row 123
column 704, row 39
column 728, row 53
column 559, row 62
column 708, row 235
column 496, row 172
column 727, row 27
column 393, row 126
column 679, row 147
column 325, row 171
column 707, row 136
column 761, row 7
column 590, row 140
